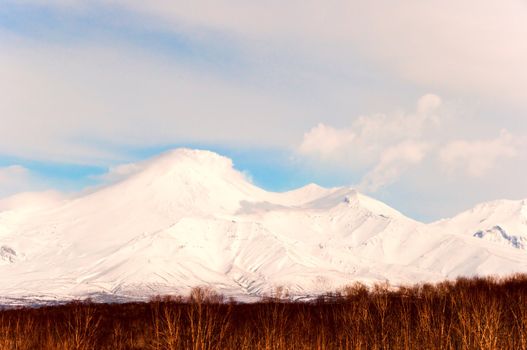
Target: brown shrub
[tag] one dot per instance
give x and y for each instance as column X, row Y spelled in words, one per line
column 475, row 313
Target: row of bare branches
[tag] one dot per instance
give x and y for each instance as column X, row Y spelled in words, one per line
column 476, row 313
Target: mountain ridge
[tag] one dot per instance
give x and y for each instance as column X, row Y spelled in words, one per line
column 187, row 218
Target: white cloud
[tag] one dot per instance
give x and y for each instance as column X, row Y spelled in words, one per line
column 70, row 104
column 471, row 46
column 14, row 179
column 393, row 162
column 325, row 141
column 468, row 47
column 369, row 135
column 383, row 147
column 12, row 172
column 475, row 158
column 121, row 171
column 428, row 104
column 384, row 143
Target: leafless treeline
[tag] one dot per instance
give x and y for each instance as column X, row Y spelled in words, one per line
column 479, row 313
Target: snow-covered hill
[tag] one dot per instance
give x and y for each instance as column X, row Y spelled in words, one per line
column 501, row 221
column 187, row 218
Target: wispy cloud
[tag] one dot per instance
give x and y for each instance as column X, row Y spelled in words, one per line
column 74, row 103
column 393, row 162
column 475, row 158
column 120, row 171
column 386, row 144
column 470, row 47
column 14, row 179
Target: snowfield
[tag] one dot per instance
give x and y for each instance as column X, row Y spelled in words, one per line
column 187, row 218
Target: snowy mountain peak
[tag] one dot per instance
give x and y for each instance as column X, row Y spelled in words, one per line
column 187, row 163
column 502, row 222
column 352, row 197
column 185, row 157
column 177, row 182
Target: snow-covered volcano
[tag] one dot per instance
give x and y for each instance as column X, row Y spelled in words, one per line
column 187, row 218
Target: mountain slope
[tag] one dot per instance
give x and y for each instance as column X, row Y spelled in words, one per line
column 187, row 218
column 502, row 221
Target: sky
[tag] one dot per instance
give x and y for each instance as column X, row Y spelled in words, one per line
column 421, row 104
